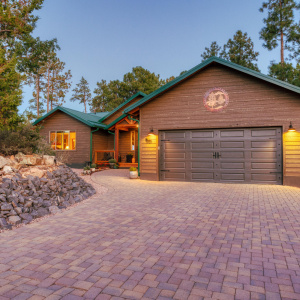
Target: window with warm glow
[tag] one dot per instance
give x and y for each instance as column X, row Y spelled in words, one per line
column 63, row 140
column 132, row 140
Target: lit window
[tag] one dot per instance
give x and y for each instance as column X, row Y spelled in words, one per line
column 63, row 140
column 132, row 140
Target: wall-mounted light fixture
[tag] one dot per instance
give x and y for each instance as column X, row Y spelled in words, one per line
column 291, row 128
column 151, row 132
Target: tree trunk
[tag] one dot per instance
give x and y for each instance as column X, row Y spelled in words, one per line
column 52, row 91
column 48, row 90
column 84, row 104
column 281, row 36
column 38, row 95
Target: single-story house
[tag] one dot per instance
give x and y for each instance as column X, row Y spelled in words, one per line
column 218, row 122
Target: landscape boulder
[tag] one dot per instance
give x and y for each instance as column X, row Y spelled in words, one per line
column 4, row 162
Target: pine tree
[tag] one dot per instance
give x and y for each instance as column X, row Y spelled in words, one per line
column 57, row 82
column 285, row 72
column 10, row 92
column 281, row 27
column 212, row 50
column 110, row 95
column 17, row 21
column 82, row 93
column 34, row 64
column 240, row 50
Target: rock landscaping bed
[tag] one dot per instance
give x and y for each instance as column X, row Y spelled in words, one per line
column 29, row 193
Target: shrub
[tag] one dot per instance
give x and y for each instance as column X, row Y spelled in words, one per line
column 25, row 139
column 93, row 165
column 132, row 169
column 112, row 161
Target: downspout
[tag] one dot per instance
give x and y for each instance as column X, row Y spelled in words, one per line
column 91, row 145
column 114, row 139
column 138, row 121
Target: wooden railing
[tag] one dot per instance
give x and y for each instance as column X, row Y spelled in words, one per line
column 102, row 156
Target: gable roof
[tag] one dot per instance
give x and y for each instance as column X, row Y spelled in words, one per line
column 89, row 119
column 202, row 66
column 123, row 104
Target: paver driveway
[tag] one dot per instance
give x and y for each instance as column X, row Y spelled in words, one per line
column 160, row 240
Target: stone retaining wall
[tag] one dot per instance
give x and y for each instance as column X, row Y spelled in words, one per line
column 23, row 199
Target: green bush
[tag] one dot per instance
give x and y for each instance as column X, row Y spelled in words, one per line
column 132, row 169
column 25, row 139
column 112, row 161
column 93, row 166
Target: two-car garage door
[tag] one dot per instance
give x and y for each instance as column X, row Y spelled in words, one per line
column 246, row 155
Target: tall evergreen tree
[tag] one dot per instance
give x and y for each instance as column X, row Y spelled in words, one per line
column 36, row 59
column 110, row 95
column 82, row 93
column 212, row 50
column 285, row 72
column 281, row 27
column 17, row 21
column 10, row 92
column 57, row 81
column 240, row 50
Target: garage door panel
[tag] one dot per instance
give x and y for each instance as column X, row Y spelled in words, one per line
column 233, row 154
column 175, row 135
column 222, row 155
column 175, row 165
column 232, row 144
column 264, row 144
column 264, row 165
column 264, row 177
column 202, row 165
column 233, row 176
column 264, row 155
column 233, row 165
column 202, row 176
column 174, row 176
column 202, row 134
column 174, row 155
column 195, row 155
column 202, row 145
column 232, row 133
column 175, row 146
column 263, row 132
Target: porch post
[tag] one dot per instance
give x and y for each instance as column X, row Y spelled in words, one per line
column 116, row 144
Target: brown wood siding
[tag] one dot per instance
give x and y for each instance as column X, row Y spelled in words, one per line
column 124, row 144
column 291, row 151
column 252, row 103
column 61, row 121
column 119, row 113
column 102, row 140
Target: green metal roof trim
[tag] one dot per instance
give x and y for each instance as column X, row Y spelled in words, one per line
column 115, row 121
column 123, row 104
column 203, row 65
column 91, row 120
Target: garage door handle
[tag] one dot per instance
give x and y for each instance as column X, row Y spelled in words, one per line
column 165, row 170
column 216, row 155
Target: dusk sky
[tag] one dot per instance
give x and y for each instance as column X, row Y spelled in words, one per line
column 106, row 39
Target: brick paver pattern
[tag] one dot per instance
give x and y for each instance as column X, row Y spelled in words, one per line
column 160, row 240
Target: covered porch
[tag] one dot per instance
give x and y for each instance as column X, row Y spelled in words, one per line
column 121, row 143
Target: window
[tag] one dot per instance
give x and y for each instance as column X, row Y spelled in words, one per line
column 132, row 140
column 63, row 140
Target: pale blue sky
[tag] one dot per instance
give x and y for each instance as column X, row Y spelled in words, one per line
column 106, row 39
